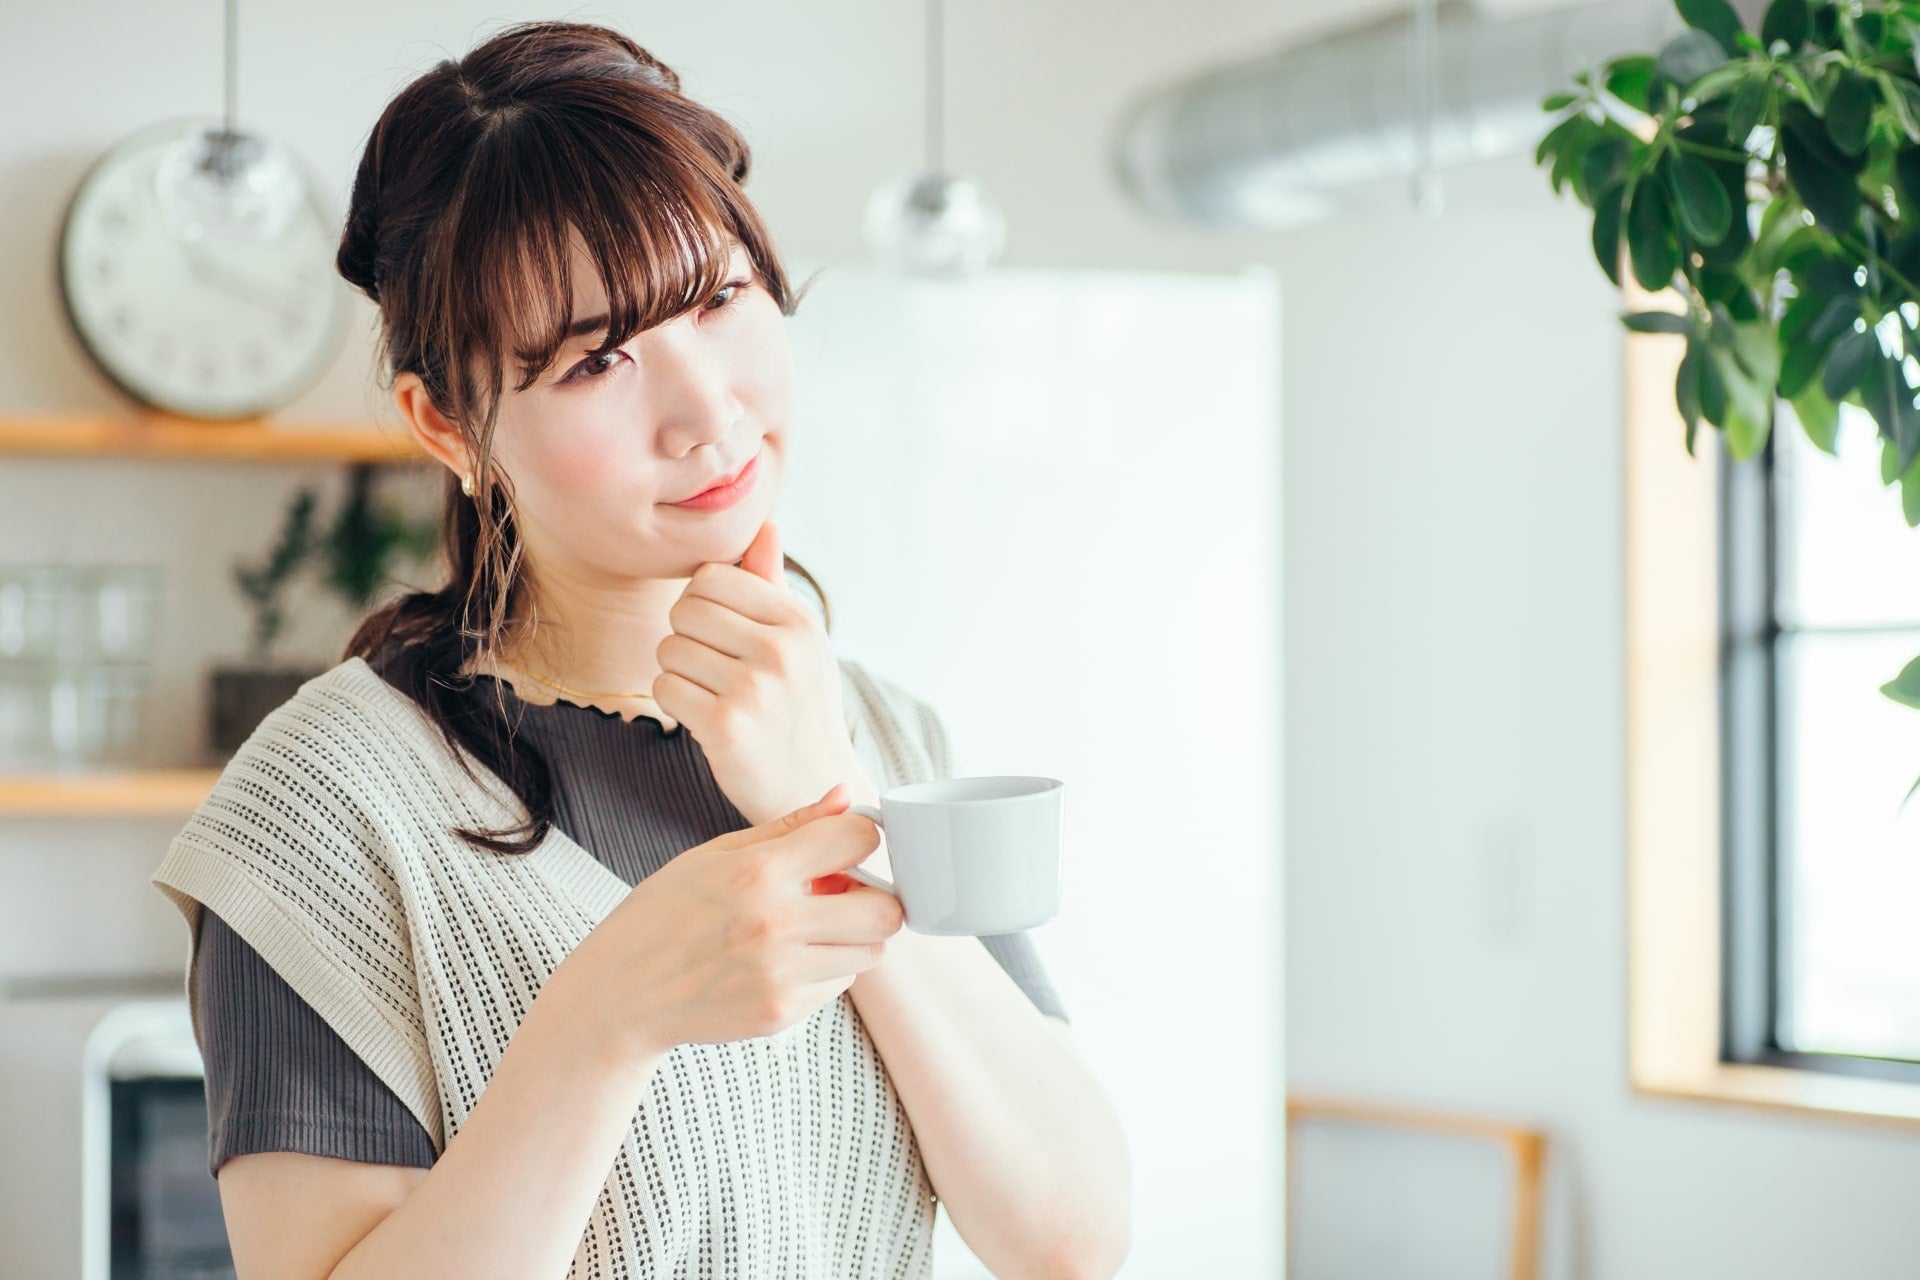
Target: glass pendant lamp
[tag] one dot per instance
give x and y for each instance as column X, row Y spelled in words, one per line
column 934, row 223
column 218, row 183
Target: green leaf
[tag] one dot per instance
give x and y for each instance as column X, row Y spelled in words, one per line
column 1704, row 208
column 1630, row 78
column 1847, row 362
column 1825, row 185
column 1650, row 239
column 1905, row 687
column 1786, row 20
column 1688, row 56
column 1910, row 494
column 1606, row 231
column 1758, row 353
column 1836, row 319
column 1716, row 17
column 1819, row 416
column 1749, row 105
column 1798, row 83
column 1850, row 113
column 1566, row 164
column 1713, row 389
column 1719, row 80
column 1686, row 391
column 1886, row 395
column 1604, row 167
column 1558, row 101
column 1798, row 364
column 1749, row 404
column 1872, row 28
column 1657, row 322
column 1796, row 316
column 1833, row 277
column 1557, row 137
column 1906, row 176
column 1903, row 99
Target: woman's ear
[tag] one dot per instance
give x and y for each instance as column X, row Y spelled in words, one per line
column 434, row 430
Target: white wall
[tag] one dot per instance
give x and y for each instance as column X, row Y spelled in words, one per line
column 1455, row 820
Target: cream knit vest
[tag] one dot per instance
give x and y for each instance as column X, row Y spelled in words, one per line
column 326, row 845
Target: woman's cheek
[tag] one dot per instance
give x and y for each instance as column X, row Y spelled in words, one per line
column 579, row 462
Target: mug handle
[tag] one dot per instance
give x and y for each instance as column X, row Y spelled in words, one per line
column 861, row 874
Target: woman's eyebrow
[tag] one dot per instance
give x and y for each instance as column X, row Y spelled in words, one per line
column 595, row 323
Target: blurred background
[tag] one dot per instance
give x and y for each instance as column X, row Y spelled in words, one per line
column 1257, row 445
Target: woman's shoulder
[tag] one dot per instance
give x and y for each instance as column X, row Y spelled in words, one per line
column 897, row 720
column 345, row 727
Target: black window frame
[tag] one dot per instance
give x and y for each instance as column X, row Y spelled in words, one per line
column 1755, row 900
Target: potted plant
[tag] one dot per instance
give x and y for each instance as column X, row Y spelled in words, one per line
column 1773, row 180
column 352, row 556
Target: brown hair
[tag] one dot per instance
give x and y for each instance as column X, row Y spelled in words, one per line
column 459, row 224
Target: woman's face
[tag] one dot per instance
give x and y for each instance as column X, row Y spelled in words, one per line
column 600, row 448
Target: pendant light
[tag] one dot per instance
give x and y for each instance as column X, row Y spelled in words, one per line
column 934, row 223
column 218, row 183
column 1425, row 191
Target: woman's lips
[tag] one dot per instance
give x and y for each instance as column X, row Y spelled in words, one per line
column 725, row 495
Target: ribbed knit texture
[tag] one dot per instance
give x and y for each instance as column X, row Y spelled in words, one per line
column 279, row 1078
column 326, row 844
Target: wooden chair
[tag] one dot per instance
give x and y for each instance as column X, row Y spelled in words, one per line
column 1525, row 1150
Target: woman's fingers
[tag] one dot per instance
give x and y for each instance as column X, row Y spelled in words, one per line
column 822, row 963
column 862, row 914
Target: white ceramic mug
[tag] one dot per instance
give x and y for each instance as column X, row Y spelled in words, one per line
column 971, row 855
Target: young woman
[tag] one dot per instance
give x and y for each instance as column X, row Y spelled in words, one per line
column 620, row 1015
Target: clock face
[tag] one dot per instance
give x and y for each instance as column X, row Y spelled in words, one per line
column 210, row 325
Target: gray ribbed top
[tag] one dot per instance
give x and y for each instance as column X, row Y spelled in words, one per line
column 279, row 1078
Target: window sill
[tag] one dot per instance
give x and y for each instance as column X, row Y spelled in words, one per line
column 1860, row 1098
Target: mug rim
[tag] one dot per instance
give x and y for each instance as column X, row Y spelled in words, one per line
column 1052, row 787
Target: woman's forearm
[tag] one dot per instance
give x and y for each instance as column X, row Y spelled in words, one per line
column 1019, row 1139
column 511, row 1194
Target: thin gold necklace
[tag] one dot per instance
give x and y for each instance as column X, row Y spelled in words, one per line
column 555, row 684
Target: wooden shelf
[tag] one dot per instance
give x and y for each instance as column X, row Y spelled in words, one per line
column 158, row 435
column 105, row 792
column 113, row 791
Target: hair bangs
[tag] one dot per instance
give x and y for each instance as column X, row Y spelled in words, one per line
column 655, row 220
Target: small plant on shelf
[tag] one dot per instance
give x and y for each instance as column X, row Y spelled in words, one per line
column 353, row 557
column 264, row 584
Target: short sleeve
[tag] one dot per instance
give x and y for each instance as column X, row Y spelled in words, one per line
column 295, row 850
column 1019, row 956
column 278, row 1077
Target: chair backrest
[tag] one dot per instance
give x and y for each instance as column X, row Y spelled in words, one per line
column 1384, row 1191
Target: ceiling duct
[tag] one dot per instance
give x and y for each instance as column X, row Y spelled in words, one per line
column 1267, row 142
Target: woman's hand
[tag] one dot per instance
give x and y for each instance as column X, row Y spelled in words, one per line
column 732, row 938
column 750, row 671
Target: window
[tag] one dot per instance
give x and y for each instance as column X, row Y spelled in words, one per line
column 1717, row 906
column 1820, row 605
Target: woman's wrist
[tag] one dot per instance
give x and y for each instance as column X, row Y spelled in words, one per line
column 623, row 1046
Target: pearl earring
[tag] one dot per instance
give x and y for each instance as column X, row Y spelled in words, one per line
column 466, row 484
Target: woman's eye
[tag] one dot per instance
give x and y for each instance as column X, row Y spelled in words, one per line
column 594, row 366
column 738, row 286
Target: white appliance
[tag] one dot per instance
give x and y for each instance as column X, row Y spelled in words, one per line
column 103, row 1141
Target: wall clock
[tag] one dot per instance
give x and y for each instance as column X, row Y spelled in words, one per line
column 206, row 316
